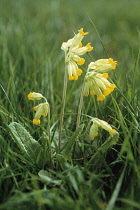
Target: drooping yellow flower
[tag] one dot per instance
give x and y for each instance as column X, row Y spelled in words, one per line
column 103, row 65
column 41, row 110
column 73, row 71
column 96, row 124
column 81, row 61
column 73, row 50
column 93, row 131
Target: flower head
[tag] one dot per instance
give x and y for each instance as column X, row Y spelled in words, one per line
column 97, row 84
column 41, row 110
column 73, row 50
column 96, row 124
column 103, row 65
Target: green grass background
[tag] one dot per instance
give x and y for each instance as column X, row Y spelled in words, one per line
column 31, row 34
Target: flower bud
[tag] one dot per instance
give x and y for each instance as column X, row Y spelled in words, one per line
column 34, row 96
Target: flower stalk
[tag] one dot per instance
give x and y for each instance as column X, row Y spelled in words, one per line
column 80, row 105
column 63, row 107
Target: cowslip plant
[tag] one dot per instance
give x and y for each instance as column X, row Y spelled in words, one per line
column 73, row 49
column 96, row 82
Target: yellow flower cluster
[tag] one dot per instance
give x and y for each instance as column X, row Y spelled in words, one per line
column 96, row 79
column 97, row 123
column 41, row 109
column 73, row 50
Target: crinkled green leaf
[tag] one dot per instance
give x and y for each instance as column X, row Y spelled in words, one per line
column 26, row 143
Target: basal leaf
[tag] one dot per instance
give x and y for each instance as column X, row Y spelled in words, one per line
column 26, row 143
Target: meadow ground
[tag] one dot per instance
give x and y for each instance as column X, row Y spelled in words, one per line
column 34, row 172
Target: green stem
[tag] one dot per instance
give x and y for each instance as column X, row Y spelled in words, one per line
column 81, row 102
column 49, row 135
column 79, row 111
column 63, row 107
column 80, row 106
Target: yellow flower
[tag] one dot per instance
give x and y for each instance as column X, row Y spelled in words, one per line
column 113, row 63
column 34, row 96
column 89, row 47
column 112, row 131
column 105, row 75
column 41, row 110
column 93, row 131
column 80, row 45
column 97, row 84
column 81, row 61
column 103, row 65
column 82, row 32
column 73, row 71
column 97, row 123
column 36, row 121
column 79, row 72
column 100, row 97
column 73, row 50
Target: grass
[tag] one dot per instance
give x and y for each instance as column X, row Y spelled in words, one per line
column 100, row 175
